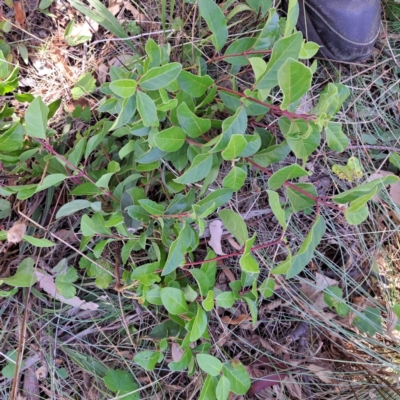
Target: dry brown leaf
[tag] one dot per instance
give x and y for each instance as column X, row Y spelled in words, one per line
column 228, row 273
column 41, row 372
column 140, row 18
column 19, row 14
column 391, row 322
column 176, row 352
column 322, row 282
column 241, row 318
column 47, row 284
column 16, row 232
column 102, row 73
column 216, row 229
column 293, row 387
column 323, row 373
column 234, row 243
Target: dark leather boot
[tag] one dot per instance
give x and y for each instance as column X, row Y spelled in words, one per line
column 346, row 30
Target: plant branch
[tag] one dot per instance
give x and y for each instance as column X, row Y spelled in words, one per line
column 243, row 53
column 317, row 199
column 236, row 253
column 275, row 110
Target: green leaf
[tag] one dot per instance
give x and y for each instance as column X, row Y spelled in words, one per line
column 152, row 207
column 176, row 254
column 122, row 383
column 36, row 119
column 38, row 242
column 86, row 84
column 235, row 179
column 247, row 261
column 215, row 21
column 208, row 302
column 160, row 77
column 192, row 125
column 223, row 388
column 94, row 225
column 208, row 388
column 171, row 139
column 364, row 189
column 193, row 85
column 349, row 172
column 292, row 16
column 100, row 13
column 236, row 145
column 174, row 300
column 294, row 265
column 331, row 99
column 72, row 207
column 64, row 283
column 51, row 180
column 272, row 154
column 308, row 50
column 267, row 288
column 394, row 158
column 147, row 359
column 124, row 88
column 298, row 200
column 12, row 138
column 238, row 377
column 199, row 324
column 202, row 280
column 235, row 224
column 284, row 174
column 370, row 321
column 275, row 204
column 333, row 297
column 240, row 46
column 209, row 364
column 283, row 49
column 147, row 109
column 225, row 299
column 269, row 33
column 200, row 168
column 146, row 275
column 25, row 275
column 294, row 78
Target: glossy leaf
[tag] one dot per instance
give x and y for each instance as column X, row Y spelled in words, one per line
column 236, row 145
column 25, row 275
column 223, row 388
column 276, row 207
column 294, row 265
column 238, row 377
column 215, row 19
column 192, row 125
column 194, row 85
column 294, row 78
column 124, row 87
column 199, row 324
column 235, row 224
column 160, row 77
column 174, row 300
column 200, row 168
column 147, row 109
column 284, row 174
column 171, row 139
column 209, row 364
column 283, row 49
column 36, row 119
column 147, row 359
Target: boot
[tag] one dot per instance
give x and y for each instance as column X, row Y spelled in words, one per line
column 346, row 30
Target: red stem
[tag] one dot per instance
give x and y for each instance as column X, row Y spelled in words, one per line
column 276, row 110
column 236, row 253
